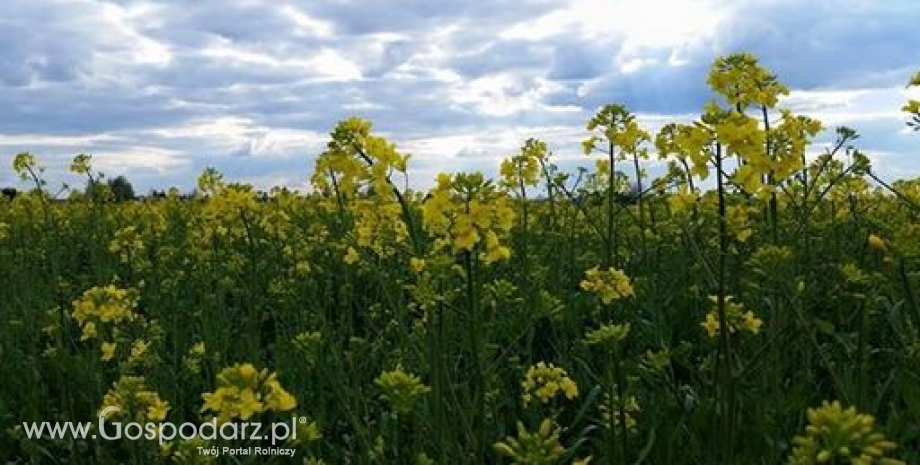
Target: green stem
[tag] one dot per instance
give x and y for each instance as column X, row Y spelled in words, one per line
column 724, row 376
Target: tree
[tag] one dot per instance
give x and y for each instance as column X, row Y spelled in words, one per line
column 913, row 106
column 118, row 189
column 121, row 188
column 9, row 193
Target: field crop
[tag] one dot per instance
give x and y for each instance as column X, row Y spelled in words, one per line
column 757, row 304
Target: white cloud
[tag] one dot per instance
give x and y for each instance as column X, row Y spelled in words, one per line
column 144, row 158
column 252, row 87
column 503, row 94
column 307, row 24
column 847, row 107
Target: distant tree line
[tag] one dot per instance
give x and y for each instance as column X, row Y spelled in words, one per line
column 117, row 189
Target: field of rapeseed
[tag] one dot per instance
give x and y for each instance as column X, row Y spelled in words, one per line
column 758, row 304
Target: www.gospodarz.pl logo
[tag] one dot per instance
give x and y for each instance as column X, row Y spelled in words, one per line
column 165, row 431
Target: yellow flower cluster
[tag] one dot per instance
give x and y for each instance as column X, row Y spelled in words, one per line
column 838, row 435
column 608, row 335
column 104, row 308
column 524, row 168
column 81, row 164
column 877, row 243
column 737, row 218
column 127, row 244
column 610, row 284
column 683, row 201
column 743, row 82
column 355, row 173
column 106, row 304
column 619, row 128
column 464, row 211
column 135, row 401
column 139, row 352
column 355, row 159
column 541, row 447
column 735, row 316
column 23, row 164
column 545, row 381
column 186, row 451
column 767, row 157
column 401, row 389
column 748, row 141
column 689, row 143
column 226, row 210
column 243, row 391
column 194, row 357
column 307, row 432
column 379, row 225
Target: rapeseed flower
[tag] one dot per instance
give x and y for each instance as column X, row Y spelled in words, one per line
column 737, row 319
column 108, row 350
column 841, row 435
column 877, row 243
column 107, row 304
column 608, row 334
column 467, row 214
column 135, row 401
column 544, row 381
column 244, row 392
column 401, row 389
column 541, row 447
column 610, row 284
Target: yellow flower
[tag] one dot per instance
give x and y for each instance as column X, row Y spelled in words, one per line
column 464, row 211
column 711, row 325
column 108, row 350
column 197, row 350
column 838, row 435
column 610, row 284
column 108, row 304
column 138, row 350
column 877, row 243
column 135, row 401
column 243, row 391
column 494, row 250
column 417, row 265
column 608, row 334
column 157, row 410
column 81, row 164
column 89, row 331
column 539, row 447
column 684, row 200
column 277, row 398
column 735, row 316
column 351, row 256
column 465, row 234
column 248, row 404
column 752, row 323
column 401, row 389
column 546, row 381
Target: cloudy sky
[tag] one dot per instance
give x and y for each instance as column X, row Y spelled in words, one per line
column 160, row 89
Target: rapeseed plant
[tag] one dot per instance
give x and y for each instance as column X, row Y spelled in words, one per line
column 544, row 382
column 244, row 392
column 610, row 284
column 835, row 434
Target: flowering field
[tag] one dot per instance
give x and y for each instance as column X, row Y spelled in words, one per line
column 758, row 304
